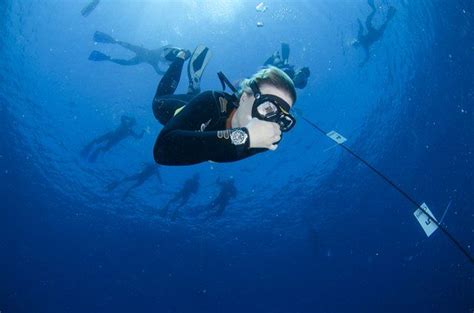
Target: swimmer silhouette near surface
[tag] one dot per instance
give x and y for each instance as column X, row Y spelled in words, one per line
column 366, row 40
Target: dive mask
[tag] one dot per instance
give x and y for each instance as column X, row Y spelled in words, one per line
column 272, row 108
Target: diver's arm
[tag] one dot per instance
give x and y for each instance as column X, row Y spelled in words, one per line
column 181, row 147
column 181, row 142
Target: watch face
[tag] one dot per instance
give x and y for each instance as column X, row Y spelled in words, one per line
column 238, row 137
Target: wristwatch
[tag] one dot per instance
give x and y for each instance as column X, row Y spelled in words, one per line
column 238, row 137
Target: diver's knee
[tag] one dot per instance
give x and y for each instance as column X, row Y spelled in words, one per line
column 161, row 111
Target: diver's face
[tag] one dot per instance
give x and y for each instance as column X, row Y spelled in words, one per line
column 244, row 112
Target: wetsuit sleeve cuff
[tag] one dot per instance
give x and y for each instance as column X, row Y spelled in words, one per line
column 247, row 142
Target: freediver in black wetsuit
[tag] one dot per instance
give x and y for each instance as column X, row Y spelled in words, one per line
column 111, row 138
column 299, row 77
column 373, row 35
column 190, row 187
column 148, row 170
column 158, row 58
column 217, row 126
column 227, row 192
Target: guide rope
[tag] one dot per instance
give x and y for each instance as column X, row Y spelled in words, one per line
column 401, row 191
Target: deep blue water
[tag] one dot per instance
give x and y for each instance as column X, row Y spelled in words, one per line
column 311, row 229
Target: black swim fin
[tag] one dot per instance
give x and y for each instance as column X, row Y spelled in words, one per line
column 103, row 38
column 98, row 56
column 89, row 8
column 196, row 66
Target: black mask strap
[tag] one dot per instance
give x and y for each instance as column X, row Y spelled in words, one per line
column 256, row 91
column 225, row 82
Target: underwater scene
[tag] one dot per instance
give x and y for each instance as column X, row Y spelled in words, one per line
column 236, row 156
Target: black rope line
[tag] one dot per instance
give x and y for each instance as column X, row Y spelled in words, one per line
column 401, row 191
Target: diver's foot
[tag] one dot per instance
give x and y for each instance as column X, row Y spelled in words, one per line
column 175, row 53
column 196, row 67
column 184, row 54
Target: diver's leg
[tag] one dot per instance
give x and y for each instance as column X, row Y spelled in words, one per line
column 163, row 212
column 103, row 149
column 102, row 138
column 169, row 82
column 368, row 21
column 165, row 209
column 184, row 200
column 165, row 104
column 87, row 148
column 127, row 192
column 133, row 48
column 95, row 154
column 132, row 61
column 132, row 177
column 274, row 59
column 164, row 108
column 220, row 209
column 113, row 185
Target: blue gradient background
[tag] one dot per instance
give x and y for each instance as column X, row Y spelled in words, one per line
column 311, row 230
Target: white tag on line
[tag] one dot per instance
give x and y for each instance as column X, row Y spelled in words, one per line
column 426, row 223
column 338, row 138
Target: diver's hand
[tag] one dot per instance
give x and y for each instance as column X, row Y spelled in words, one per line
column 263, row 134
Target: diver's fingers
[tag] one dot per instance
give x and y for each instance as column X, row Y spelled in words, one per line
column 276, row 129
column 273, row 147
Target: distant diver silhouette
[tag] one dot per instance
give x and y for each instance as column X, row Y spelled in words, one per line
column 373, row 35
column 299, row 76
column 111, row 138
column 227, row 192
column 190, row 187
column 159, row 58
column 148, row 170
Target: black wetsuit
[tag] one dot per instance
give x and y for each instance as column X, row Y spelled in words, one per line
column 198, row 132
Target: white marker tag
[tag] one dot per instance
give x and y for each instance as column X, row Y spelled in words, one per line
column 336, row 137
column 426, row 223
column 261, row 7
